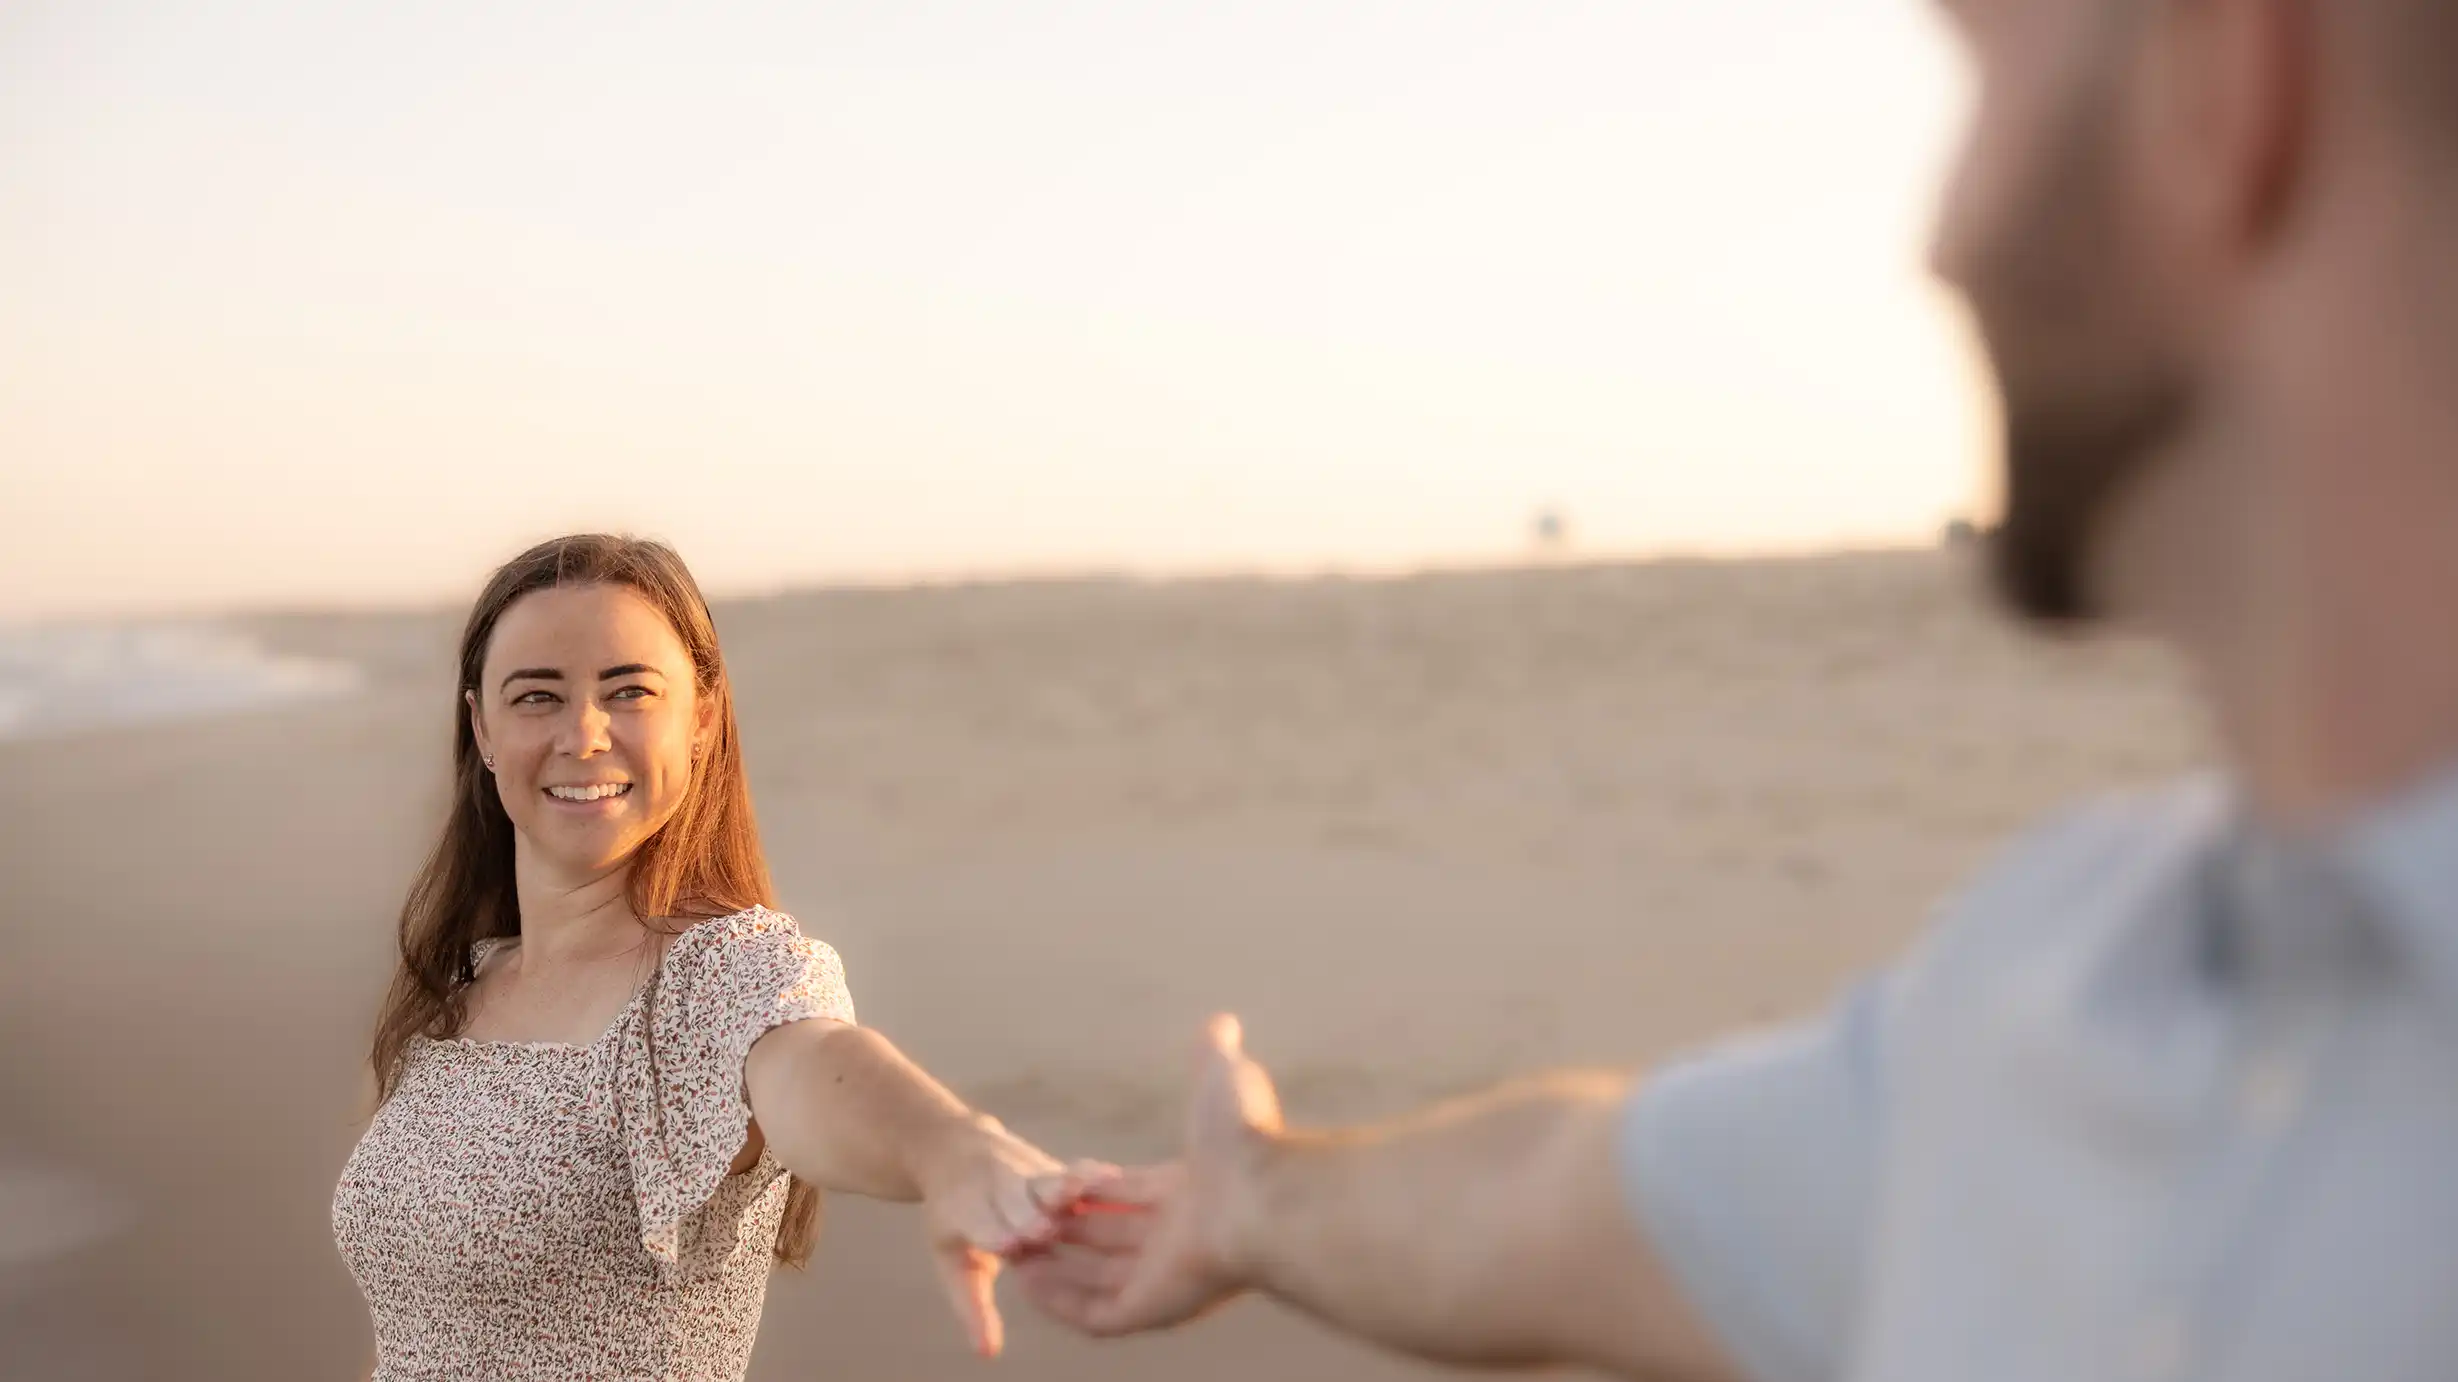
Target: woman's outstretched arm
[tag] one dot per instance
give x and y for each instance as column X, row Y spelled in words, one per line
column 843, row 1109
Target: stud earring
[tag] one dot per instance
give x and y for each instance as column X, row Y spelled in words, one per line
column 490, row 764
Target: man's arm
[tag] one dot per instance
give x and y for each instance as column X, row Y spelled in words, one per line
column 1491, row 1232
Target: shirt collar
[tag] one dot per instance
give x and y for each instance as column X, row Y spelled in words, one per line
column 2402, row 858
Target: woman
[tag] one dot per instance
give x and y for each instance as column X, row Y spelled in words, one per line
column 612, row 1081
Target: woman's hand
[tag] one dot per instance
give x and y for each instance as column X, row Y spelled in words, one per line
column 988, row 1195
column 845, row 1110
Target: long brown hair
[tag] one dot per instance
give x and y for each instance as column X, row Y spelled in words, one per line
column 705, row 861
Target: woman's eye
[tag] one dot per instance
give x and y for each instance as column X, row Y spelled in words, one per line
column 533, row 698
column 629, row 693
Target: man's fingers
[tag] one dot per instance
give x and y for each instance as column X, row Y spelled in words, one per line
column 1082, row 1178
column 1063, row 1295
column 969, row 1275
column 1088, row 1268
column 1138, row 1187
column 1057, row 1194
column 1113, row 1230
column 1229, row 1087
column 1057, row 1294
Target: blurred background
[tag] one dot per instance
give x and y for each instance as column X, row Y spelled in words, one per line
column 1419, row 522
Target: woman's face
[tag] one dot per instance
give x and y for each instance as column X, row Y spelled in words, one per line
column 590, row 709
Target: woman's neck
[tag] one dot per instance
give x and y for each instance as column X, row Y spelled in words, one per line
column 567, row 918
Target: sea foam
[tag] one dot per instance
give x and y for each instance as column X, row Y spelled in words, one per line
column 68, row 678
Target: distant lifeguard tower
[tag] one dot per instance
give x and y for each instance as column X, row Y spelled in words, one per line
column 1549, row 532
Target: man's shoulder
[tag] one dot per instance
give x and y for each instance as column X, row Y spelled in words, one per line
column 2100, row 860
column 2183, row 818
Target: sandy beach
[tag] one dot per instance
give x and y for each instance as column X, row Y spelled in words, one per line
column 1421, row 833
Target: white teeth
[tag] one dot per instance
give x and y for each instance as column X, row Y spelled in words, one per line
column 596, row 793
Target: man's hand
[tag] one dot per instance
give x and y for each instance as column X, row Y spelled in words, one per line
column 1490, row 1231
column 1157, row 1246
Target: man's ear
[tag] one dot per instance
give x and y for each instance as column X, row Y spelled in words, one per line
column 2239, row 78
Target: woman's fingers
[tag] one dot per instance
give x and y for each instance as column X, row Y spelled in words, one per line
column 1055, row 1194
column 968, row 1273
column 1093, row 1186
column 1062, row 1196
column 1059, row 1193
column 1021, row 1215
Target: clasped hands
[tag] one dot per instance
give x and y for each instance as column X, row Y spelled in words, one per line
column 1111, row 1251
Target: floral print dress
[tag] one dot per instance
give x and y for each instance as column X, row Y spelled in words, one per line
column 550, row 1212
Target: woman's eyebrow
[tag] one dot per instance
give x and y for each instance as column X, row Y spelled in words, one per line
column 628, row 669
column 534, row 674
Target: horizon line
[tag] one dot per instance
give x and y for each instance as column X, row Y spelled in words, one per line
column 1044, row 574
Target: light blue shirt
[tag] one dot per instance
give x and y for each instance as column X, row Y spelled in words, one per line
column 2161, row 1098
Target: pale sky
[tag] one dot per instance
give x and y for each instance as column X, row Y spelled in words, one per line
column 318, row 304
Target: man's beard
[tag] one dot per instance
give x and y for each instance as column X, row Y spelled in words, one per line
column 2066, row 466
column 2093, row 393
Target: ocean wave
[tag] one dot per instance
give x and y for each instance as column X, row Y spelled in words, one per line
column 68, row 679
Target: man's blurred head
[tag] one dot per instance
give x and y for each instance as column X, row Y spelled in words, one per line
column 2133, row 179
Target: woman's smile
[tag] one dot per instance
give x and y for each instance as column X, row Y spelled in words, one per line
column 588, row 796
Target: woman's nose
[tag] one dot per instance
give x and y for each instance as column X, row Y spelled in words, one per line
column 587, row 730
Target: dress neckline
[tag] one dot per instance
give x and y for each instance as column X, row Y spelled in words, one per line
column 487, row 947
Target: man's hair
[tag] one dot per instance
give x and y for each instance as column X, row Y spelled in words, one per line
column 2413, row 45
